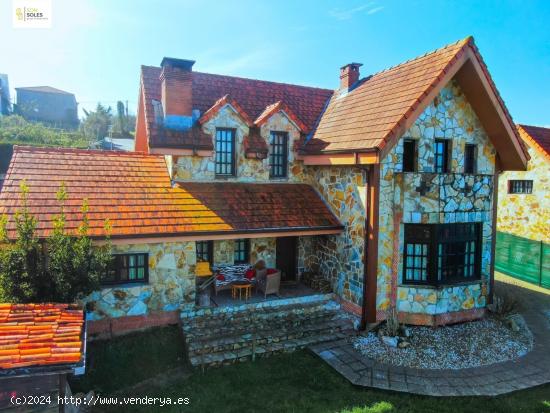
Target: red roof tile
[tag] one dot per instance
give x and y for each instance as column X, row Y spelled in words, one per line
column 537, row 136
column 133, row 192
column 40, row 334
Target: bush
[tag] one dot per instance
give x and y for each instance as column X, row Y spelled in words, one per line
column 61, row 269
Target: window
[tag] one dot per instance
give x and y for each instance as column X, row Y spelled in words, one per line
column 470, row 158
column 517, row 186
column 242, row 247
column 204, row 251
column 441, row 156
column 127, row 268
column 225, row 152
column 409, row 155
column 278, row 157
column 441, row 254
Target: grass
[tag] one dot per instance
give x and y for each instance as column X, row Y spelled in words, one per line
column 295, row 382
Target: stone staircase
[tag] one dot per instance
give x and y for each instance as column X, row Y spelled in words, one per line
column 224, row 335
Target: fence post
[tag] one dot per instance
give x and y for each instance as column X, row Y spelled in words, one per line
column 541, row 262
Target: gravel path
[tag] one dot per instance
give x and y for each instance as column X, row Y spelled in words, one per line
column 465, row 345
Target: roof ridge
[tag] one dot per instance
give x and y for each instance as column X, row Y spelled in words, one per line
column 466, row 41
column 523, row 125
column 61, row 149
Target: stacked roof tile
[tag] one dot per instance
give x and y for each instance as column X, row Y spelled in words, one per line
column 40, row 335
column 536, row 135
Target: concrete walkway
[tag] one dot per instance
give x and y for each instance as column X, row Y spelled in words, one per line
column 531, row 370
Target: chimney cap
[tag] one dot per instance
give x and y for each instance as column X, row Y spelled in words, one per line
column 356, row 65
column 179, row 63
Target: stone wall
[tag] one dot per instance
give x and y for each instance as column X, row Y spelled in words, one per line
column 197, row 168
column 260, row 249
column 339, row 257
column 446, row 198
column 171, row 283
column 527, row 215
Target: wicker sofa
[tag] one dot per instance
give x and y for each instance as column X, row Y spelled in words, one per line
column 268, row 283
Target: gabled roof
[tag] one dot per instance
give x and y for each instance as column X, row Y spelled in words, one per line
column 34, row 335
column 280, row 107
column 44, row 89
column 381, row 107
column 220, row 103
column 134, row 193
column 253, row 96
column 536, row 136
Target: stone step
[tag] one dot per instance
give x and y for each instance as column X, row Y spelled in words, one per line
column 245, row 354
column 244, row 326
column 266, row 336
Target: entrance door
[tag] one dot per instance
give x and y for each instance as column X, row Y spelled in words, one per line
column 286, row 258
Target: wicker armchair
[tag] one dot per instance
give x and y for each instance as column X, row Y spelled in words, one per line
column 268, row 284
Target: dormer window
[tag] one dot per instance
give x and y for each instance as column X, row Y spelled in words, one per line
column 278, row 154
column 225, row 152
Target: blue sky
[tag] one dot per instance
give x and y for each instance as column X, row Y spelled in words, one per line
column 95, row 48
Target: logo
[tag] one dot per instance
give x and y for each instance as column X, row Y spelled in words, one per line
column 32, row 14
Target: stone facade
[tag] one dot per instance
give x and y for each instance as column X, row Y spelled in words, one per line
column 199, row 168
column 527, row 215
column 171, row 283
column 447, row 198
column 339, row 257
column 260, row 249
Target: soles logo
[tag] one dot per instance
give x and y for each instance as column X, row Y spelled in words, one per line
column 34, row 14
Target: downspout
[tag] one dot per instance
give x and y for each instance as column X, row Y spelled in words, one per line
column 493, row 232
column 370, row 265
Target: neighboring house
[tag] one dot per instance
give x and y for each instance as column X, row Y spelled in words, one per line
column 47, row 104
column 114, row 144
column 5, row 102
column 524, row 196
column 385, row 186
column 6, row 150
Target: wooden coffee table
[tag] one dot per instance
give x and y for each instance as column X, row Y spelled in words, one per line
column 238, row 287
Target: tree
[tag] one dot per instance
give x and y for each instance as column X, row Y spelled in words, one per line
column 123, row 124
column 96, row 124
column 63, row 269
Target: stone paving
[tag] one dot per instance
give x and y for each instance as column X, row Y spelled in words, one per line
column 531, row 370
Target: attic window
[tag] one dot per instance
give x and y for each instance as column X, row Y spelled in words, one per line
column 409, row 155
column 441, row 156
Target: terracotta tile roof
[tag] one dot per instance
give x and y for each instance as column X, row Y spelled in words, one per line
column 254, row 143
column 253, row 207
column 276, row 107
column 40, row 335
column 373, row 111
column 133, row 191
column 253, row 96
column 537, row 136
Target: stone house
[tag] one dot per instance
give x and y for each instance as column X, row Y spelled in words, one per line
column 524, row 196
column 386, row 186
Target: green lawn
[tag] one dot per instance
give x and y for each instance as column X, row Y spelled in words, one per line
column 296, row 382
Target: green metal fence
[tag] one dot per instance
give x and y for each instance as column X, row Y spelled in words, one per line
column 523, row 258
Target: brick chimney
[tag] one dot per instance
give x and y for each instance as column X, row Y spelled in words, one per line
column 349, row 74
column 177, row 92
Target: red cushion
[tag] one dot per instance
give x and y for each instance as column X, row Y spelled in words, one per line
column 271, row 271
column 249, row 274
column 220, row 277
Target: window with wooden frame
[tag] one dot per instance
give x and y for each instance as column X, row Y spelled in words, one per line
column 241, row 251
column 441, row 156
column 204, row 250
column 470, row 159
column 127, row 268
column 441, row 254
column 278, row 154
column 520, row 186
column 409, row 155
column 225, row 152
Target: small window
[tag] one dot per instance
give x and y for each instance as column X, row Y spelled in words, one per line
column 441, row 254
column 520, row 186
column 204, row 251
column 242, row 247
column 470, row 159
column 409, row 155
column 225, row 152
column 127, row 268
column 441, row 156
column 278, row 157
